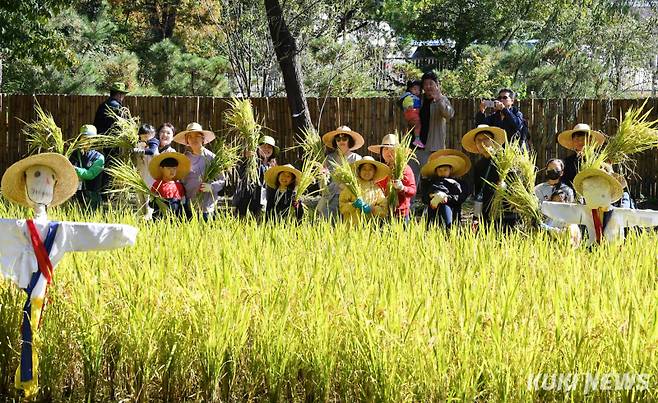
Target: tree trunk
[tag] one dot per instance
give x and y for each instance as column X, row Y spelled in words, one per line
column 285, row 48
column 0, row 74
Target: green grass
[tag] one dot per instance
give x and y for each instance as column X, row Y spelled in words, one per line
column 239, row 311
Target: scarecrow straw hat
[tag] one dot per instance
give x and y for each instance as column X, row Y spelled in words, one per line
column 382, row 170
column 449, row 151
column 458, row 166
column 468, row 141
column 566, row 141
column 13, row 180
column 184, row 165
column 270, row 141
column 272, row 174
column 328, row 138
column 194, row 127
column 615, row 186
column 389, row 141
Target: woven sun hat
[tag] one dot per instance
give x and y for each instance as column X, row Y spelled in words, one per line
column 382, row 169
column 272, row 174
column 565, row 138
column 66, row 179
column 450, row 151
column 389, row 141
column 617, row 190
column 194, row 127
column 118, row 86
column 456, row 163
column 270, row 141
column 328, row 138
column 468, row 141
column 184, row 165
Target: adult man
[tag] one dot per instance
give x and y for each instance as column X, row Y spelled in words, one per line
column 505, row 116
column 112, row 106
column 434, row 114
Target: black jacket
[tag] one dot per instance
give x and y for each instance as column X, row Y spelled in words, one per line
column 247, row 198
column 485, row 171
column 448, row 186
column 103, row 120
column 571, row 168
column 279, row 209
column 511, row 120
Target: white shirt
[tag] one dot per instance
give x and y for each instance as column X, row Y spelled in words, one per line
column 18, row 261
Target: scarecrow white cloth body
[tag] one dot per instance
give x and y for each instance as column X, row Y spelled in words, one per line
column 620, row 218
column 18, row 261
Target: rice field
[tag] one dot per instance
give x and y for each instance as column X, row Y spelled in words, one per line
column 237, row 311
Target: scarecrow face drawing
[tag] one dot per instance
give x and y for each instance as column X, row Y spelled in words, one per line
column 31, row 249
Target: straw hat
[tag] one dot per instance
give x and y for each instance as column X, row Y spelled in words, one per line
column 382, row 169
column 390, row 140
column 457, row 164
column 194, row 127
column 608, row 168
column 88, row 130
column 118, row 86
column 566, row 141
column 13, row 180
column 270, row 140
column 468, row 141
column 617, row 190
column 184, row 165
column 450, row 151
column 328, row 138
column 272, row 174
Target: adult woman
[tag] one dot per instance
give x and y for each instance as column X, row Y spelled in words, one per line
column 343, row 141
column 166, row 135
column 554, row 173
column 405, row 187
column 251, row 198
column 194, row 137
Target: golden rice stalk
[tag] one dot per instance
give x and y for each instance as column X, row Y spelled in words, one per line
column 593, row 156
column 126, row 178
column 343, row 173
column 636, row 134
column 227, row 156
column 402, row 155
column 243, row 123
column 43, row 134
column 516, row 167
column 122, row 135
column 310, row 172
column 313, row 152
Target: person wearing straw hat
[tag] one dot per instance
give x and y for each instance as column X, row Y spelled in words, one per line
column 30, row 249
column 604, row 222
column 89, row 165
column 442, row 193
column 372, row 202
column 575, row 140
column 252, row 199
column 482, row 140
column 463, row 182
column 167, row 170
column 342, row 142
column 405, row 187
column 281, row 182
column 194, row 137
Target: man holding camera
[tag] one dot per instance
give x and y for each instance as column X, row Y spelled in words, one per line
column 505, row 116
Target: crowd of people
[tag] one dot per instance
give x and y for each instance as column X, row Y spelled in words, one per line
column 439, row 180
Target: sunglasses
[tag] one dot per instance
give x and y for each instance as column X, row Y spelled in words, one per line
column 503, row 97
column 342, row 138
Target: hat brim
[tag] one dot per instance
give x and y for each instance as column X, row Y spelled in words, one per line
column 565, row 138
column 617, row 190
column 13, row 180
column 272, row 174
column 456, row 163
column 208, row 136
column 457, row 153
column 328, row 139
column 468, row 141
column 382, row 169
column 184, row 165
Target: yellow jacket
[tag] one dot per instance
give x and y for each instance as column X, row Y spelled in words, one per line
column 372, row 194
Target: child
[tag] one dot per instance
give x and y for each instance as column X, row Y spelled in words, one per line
column 281, row 183
column 373, row 202
column 146, row 148
column 411, row 107
column 89, row 165
column 443, row 193
column 167, row 170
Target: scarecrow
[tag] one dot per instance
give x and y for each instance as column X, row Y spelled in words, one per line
column 603, row 221
column 30, row 249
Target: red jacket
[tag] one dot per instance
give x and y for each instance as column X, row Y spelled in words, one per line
column 404, row 195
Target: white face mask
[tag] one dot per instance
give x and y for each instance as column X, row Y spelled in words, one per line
column 40, row 184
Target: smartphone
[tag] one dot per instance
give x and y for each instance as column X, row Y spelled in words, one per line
column 488, row 103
